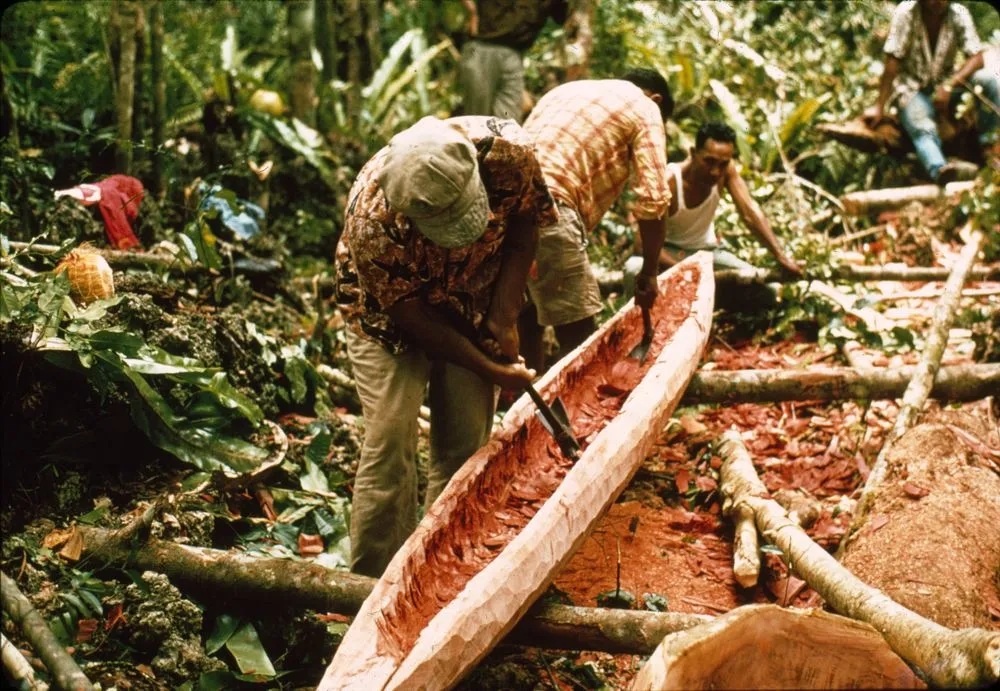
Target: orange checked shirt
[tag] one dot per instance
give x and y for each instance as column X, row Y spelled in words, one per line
column 590, row 135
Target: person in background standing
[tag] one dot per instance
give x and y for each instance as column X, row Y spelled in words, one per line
column 491, row 69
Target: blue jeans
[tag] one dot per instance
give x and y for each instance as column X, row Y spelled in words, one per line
column 919, row 119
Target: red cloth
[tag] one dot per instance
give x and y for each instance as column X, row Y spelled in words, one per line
column 119, row 205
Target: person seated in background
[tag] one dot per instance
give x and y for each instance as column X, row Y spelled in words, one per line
column 491, row 68
column 696, row 187
column 592, row 137
column 920, row 78
column 439, row 233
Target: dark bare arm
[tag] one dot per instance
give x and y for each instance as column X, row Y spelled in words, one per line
column 646, row 290
column 942, row 95
column 877, row 114
column 755, row 219
column 438, row 338
column 508, row 294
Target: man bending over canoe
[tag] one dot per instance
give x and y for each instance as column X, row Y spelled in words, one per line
column 591, row 136
column 439, row 234
column 696, row 186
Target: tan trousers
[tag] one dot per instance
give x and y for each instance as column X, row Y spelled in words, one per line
column 391, row 388
column 492, row 80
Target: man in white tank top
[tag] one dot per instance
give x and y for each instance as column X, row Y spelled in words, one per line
column 696, row 185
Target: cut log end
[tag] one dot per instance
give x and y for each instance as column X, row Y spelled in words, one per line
column 767, row 646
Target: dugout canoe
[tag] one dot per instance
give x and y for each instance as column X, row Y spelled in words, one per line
column 517, row 510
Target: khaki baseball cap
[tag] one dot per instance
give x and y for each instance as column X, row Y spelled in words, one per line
column 431, row 175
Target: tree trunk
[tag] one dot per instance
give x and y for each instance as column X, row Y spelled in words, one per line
column 139, row 97
column 65, row 673
column 351, row 36
column 955, row 383
column 932, row 538
column 159, row 97
column 873, row 201
column 325, row 35
column 923, row 379
column 18, row 669
column 580, row 26
column 306, row 585
column 125, row 94
column 302, row 90
column 372, row 16
column 611, row 279
column 968, row 657
column 119, row 259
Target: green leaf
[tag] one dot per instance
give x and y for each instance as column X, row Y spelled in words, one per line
column 903, row 336
column 11, row 302
column 373, row 90
column 248, row 652
column 616, row 599
column 203, row 448
column 314, row 479
column 222, row 680
column 378, row 112
column 295, row 370
column 93, row 602
column 801, row 118
column 655, row 603
column 329, row 525
column 417, row 50
column 730, row 105
column 95, row 310
column 224, row 628
column 76, row 603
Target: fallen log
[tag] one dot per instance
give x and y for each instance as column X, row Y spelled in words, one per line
column 873, row 321
column 889, row 138
column 66, row 675
column 518, row 509
column 920, row 385
column 930, row 295
column 954, row 383
column 771, row 647
column 175, row 264
column 19, row 670
column 610, row 280
column 859, row 235
column 933, row 543
column 306, row 585
column 874, row 201
column 967, row 657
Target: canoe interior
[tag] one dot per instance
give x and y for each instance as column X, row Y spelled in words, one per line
column 523, row 472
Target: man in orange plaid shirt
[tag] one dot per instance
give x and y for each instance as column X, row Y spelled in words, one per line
column 591, row 137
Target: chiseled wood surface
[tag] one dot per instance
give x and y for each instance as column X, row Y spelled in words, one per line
column 766, row 646
column 491, row 603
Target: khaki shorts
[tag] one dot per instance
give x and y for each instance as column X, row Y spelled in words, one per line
column 563, row 286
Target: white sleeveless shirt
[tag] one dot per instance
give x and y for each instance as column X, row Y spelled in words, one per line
column 691, row 229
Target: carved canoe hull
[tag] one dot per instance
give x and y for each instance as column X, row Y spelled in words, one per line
column 516, row 512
